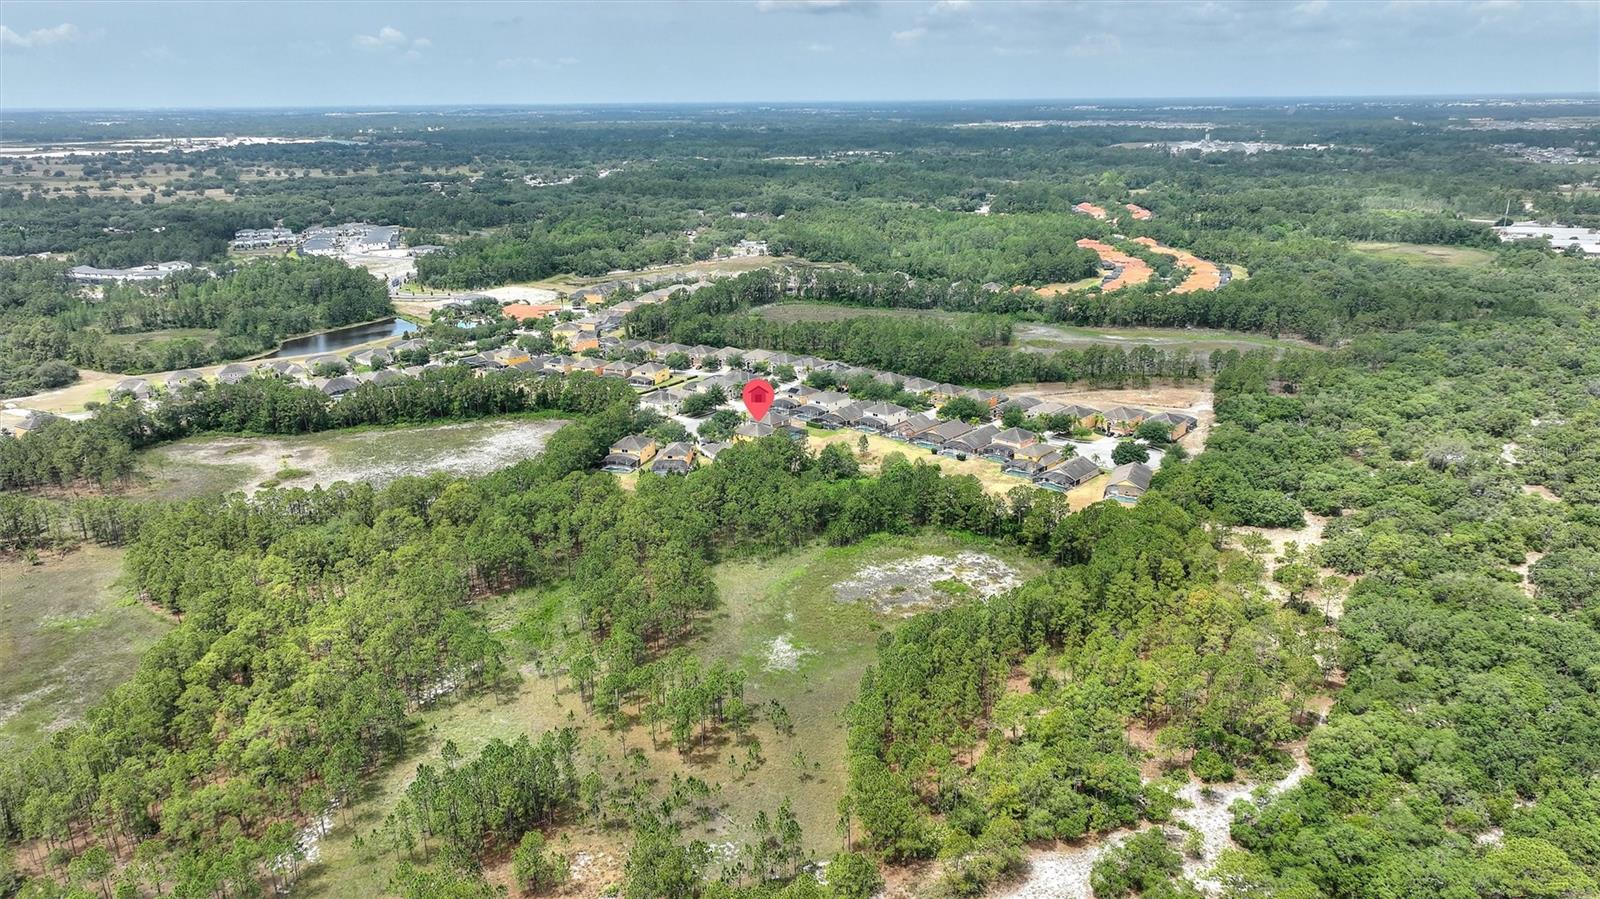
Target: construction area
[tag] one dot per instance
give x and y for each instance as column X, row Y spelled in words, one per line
column 1125, row 271
column 1202, row 275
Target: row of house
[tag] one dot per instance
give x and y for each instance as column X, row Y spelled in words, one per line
column 261, row 238
column 88, row 274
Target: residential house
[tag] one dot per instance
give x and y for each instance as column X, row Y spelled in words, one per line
column 1025, row 403
column 988, row 399
column 918, row 385
column 523, row 312
column 753, row 430
column 618, row 369
column 1005, row 444
column 881, row 418
column 1128, row 482
column 182, row 378
column 326, row 359
column 378, row 356
column 629, row 454
column 914, row 426
column 847, row 415
column 386, row 377
column 699, row 353
column 28, row 421
column 337, row 387
column 971, row 443
column 650, row 374
column 942, row 433
column 1072, row 473
column 559, row 365
column 1120, row 421
column 588, row 364
column 509, row 355
column 710, row 451
column 1032, row 460
column 138, row 387
column 676, row 458
column 943, row 393
column 1087, row 416
column 1178, row 424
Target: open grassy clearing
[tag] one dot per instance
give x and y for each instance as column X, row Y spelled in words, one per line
column 204, row 335
column 1425, row 254
column 203, row 465
column 1052, row 338
column 780, row 620
column 828, row 312
column 68, row 635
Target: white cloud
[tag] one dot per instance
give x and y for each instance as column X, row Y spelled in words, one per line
column 813, row 6
column 65, row 33
column 817, row 47
column 515, row 63
column 910, row 35
column 1096, row 45
column 391, row 38
column 950, row 6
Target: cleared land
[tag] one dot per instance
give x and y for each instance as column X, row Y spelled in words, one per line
column 1201, row 341
column 1203, row 275
column 68, row 635
column 780, row 620
column 377, row 455
column 1131, row 270
column 1425, row 254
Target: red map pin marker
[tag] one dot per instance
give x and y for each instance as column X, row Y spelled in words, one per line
column 757, row 397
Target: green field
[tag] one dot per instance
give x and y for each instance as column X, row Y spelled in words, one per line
column 1425, row 254
column 789, row 599
column 67, row 636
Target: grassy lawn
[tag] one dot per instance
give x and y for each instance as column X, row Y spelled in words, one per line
column 1425, row 254
column 68, row 635
column 824, row 646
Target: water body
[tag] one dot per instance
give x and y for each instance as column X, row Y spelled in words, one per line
column 343, row 338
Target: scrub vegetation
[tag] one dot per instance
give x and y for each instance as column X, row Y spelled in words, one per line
column 823, row 671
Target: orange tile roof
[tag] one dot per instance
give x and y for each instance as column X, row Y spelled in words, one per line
column 524, row 311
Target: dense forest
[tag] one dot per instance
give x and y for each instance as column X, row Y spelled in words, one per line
column 49, row 326
column 1429, row 642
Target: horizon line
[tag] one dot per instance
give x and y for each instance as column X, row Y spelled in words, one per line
column 1581, row 96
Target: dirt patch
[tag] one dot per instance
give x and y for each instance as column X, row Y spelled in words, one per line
column 1541, row 491
column 928, row 581
column 783, row 655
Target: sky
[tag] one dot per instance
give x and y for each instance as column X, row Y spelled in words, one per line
column 130, row 54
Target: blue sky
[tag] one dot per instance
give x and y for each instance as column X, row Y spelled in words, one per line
column 134, row 54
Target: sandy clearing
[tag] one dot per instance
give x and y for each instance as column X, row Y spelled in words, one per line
column 361, row 456
column 1133, row 270
column 1203, row 275
column 1063, row 873
column 912, row 585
